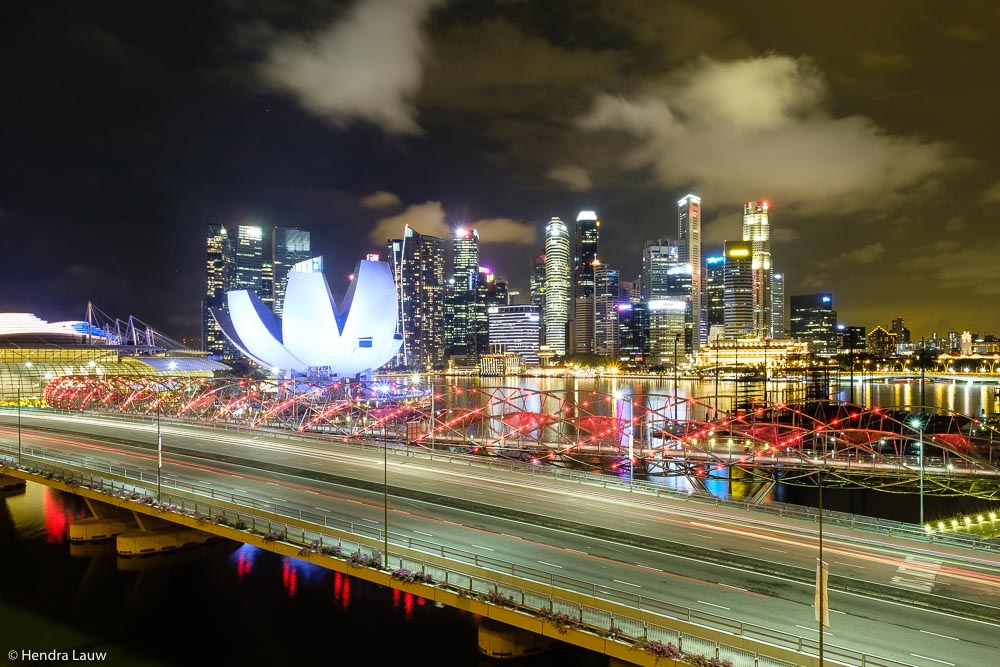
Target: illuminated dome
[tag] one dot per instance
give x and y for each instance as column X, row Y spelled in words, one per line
column 314, row 334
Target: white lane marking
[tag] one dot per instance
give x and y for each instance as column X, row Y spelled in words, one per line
column 627, row 583
column 780, row 551
column 714, row 605
column 813, row 629
column 735, row 588
column 917, row 655
column 860, row 567
column 927, row 632
column 550, row 564
column 476, row 546
column 420, row 532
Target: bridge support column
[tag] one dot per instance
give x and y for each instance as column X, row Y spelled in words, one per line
column 11, row 483
column 500, row 641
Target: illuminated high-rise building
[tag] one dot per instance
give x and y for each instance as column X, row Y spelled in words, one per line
column 607, row 296
column 587, row 236
column 219, row 263
column 757, row 232
column 715, row 289
column 249, row 267
column 460, row 293
column 558, row 285
column 689, row 245
column 417, row 263
column 778, row 327
column 516, row 329
column 289, row 248
column 738, row 304
column 813, row 320
column 658, row 257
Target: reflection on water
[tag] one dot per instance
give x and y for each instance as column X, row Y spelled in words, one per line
column 226, row 602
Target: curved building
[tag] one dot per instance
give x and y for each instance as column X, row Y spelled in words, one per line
column 34, row 352
column 558, row 284
column 316, row 337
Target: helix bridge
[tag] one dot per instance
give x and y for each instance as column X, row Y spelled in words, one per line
column 891, row 449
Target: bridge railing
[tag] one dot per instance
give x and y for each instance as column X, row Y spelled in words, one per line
column 317, row 532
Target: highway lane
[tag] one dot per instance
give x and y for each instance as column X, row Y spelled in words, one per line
column 728, row 590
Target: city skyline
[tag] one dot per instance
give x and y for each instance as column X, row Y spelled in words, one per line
column 129, row 130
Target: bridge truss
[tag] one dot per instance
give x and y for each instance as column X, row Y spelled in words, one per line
column 646, row 434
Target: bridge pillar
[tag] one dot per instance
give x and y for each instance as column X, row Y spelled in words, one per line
column 11, row 483
column 500, row 641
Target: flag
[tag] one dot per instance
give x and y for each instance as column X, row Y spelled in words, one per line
column 822, row 603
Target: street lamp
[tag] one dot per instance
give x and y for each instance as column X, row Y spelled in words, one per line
column 619, row 396
column 918, row 424
column 381, row 390
column 767, row 340
column 717, row 375
column 677, row 337
column 159, row 449
column 18, row 424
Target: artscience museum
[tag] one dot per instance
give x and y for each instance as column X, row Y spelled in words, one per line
column 315, row 336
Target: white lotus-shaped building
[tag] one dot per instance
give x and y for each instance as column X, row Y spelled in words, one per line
column 314, row 334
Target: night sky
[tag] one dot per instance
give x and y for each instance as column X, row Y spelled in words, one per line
column 869, row 127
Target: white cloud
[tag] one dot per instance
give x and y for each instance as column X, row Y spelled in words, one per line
column 429, row 219
column 576, row 179
column 758, row 128
column 367, row 65
column 992, row 194
column 865, row 254
column 380, row 199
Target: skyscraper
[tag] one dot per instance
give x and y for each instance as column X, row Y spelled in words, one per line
column 536, row 288
column 738, row 311
column 658, row 257
column 813, row 320
column 460, row 295
column 417, row 263
column 715, row 276
column 516, row 329
column 249, row 267
column 289, row 248
column 757, row 232
column 558, row 282
column 587, row 235
column 219, row 263
column 778, row 327
column 689, row 245
column 607, row 288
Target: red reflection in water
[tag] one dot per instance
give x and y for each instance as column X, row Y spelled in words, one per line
column 243, row 562
column 289, row 578
column 342, row 589
column 406, row 601
column 57, row 516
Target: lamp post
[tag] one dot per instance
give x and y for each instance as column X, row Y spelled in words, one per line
column 767, row 341
column 19, row 424
column 619, row 396
column 716, row 376
column 677, row 337
column 385, row 478
column 822, row 608
column 918, row 424
column 159, row 449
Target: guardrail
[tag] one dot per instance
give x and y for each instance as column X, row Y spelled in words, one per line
column 314, row 531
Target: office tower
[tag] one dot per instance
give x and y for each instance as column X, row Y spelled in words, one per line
column 587, row 232
column 689, row 245
column 902, row 333
column 738, row 313
column 489, row 292
column 715, row 316
column 536, row 282
column 289, row 248
column 757, row 232
column 219, row 263
column 607, row 296
column 417, row 263
column 667, row 317
column 778, row 327
column 460, row 293
column 558, row 282
column 633, row 331
column 249, row 267
column 658, row 257
column 813, row 320
column 516, row 329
